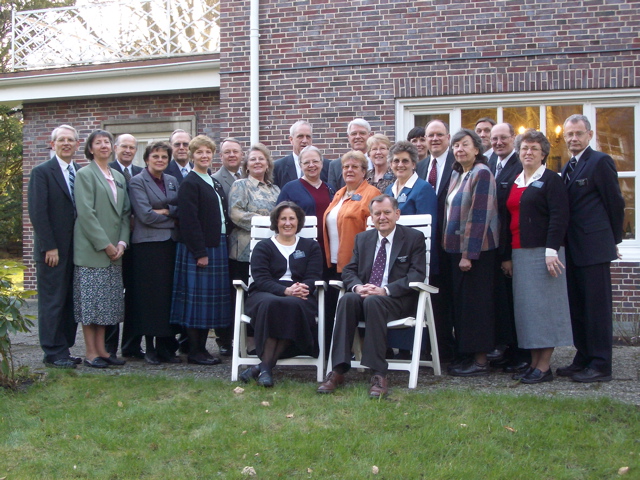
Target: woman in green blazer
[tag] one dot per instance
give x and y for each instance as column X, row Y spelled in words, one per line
column 101, row 235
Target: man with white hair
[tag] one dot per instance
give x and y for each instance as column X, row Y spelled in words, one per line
column 288, row 168
column 358, row 132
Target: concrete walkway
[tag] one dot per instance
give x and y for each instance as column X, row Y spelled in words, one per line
column 625, row 386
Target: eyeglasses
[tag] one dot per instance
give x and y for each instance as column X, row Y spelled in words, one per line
column 436, row 135
column 397, row 161
column 181, row 144
column 530, row 149
column 359, row 134
column 311, row 162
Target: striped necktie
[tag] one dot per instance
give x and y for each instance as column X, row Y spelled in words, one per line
column 184, row 172
column 571, row 166
column 127, row 174
column 498, row 168
column 72, row 182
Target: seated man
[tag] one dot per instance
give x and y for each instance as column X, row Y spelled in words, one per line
column 377, row 280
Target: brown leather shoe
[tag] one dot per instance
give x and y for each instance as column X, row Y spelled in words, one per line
column 333, row 381
column 379, row 386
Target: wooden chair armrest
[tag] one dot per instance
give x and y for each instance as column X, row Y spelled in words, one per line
column 417, row 286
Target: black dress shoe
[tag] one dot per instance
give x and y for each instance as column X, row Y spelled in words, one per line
column 517, row 367
column 151, row 358
column 495, row 355
column 202, row 359
column 474, row 369
column 265, row 379
column 60, row 363
column 569, row 370
column 97, row 362
column 169, row 359
column 518, row 376
column 135, row 354
column 249, row 373
column 536, row 376
column 76, row 360
column 589, row 375
column 225, row 350
column 113, row 360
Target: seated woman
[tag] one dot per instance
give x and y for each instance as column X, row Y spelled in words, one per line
column 281, row 303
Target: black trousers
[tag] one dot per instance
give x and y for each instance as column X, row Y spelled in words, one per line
column 56, row 324
column 591, row 306
column 375, row 311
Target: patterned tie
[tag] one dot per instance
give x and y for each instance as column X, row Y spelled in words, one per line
column 127, row 175
column 72, row 181
column 377, row 272
column 433, row 174
column 237, row 175
column 184, row 172
column 569, row 171
column 498, row 168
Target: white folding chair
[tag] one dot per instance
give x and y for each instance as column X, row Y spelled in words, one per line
column 424, row 313
column 259, row 231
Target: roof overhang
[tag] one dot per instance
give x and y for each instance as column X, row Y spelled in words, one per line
column 182, row 74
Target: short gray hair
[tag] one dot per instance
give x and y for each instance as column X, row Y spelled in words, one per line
column 578, row 118
column 56, row 130
column 298, row 124
column 359, row 121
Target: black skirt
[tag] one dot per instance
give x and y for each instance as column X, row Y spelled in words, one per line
column 284, row 318
column 153, row 267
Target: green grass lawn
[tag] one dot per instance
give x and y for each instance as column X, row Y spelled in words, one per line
column 120, row 427
column 15, row 271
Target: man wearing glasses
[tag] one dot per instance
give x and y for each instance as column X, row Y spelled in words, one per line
column 179, row 166
column 595, row 228
column 358, row 132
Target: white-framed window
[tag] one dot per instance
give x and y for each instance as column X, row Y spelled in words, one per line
column 614, row 117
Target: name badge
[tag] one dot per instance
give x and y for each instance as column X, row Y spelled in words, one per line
column 402, row 259
column 504, row 185
column 172, row 187
column 402, row 198
column 356, row 198
column 118, row 184
column 298, row 254
column 388, row 176
column 537, row 184
column 583, row 182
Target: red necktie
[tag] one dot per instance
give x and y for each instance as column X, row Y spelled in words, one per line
column 433, row 174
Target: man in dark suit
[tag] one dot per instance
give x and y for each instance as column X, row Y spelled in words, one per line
column 483, row 128
column 179, row 166
column 385, row 260
column 358, row 132
column 436, row 169
column 505, row 166
column 231, row 155
column 125, row 150
column 288, row 168
column 595, row 228
column 52, row 213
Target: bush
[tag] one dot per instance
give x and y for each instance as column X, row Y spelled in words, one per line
column 12, row 321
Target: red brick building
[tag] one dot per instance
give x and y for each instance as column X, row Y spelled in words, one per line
column 397, row 64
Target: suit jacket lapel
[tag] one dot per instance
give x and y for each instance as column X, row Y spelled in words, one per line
column 580, row 166
column 369, row 254
column 398, row 242
column 446, row 174
column 152, row 185
column 103, row 181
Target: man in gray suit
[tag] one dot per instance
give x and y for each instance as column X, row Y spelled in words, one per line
column 52, row 213
column 231, row 155
column 385, row 260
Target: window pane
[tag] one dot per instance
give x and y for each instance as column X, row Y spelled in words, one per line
column 522, row 118
column 614, row 127
column 422, row 120
column 628, row 187
column 471, row 116
column 556, row 115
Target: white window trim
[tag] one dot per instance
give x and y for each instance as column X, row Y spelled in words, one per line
column 408, row 108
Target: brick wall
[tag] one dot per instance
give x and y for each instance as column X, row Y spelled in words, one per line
column 87, row 115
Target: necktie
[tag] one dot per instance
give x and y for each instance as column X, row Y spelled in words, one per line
column 433, row 174
column 237, row 175
column 569, row 171
column 377, row 272
column 72, row 181
column 184, row 171
column 498, row 168
column 127, row 175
